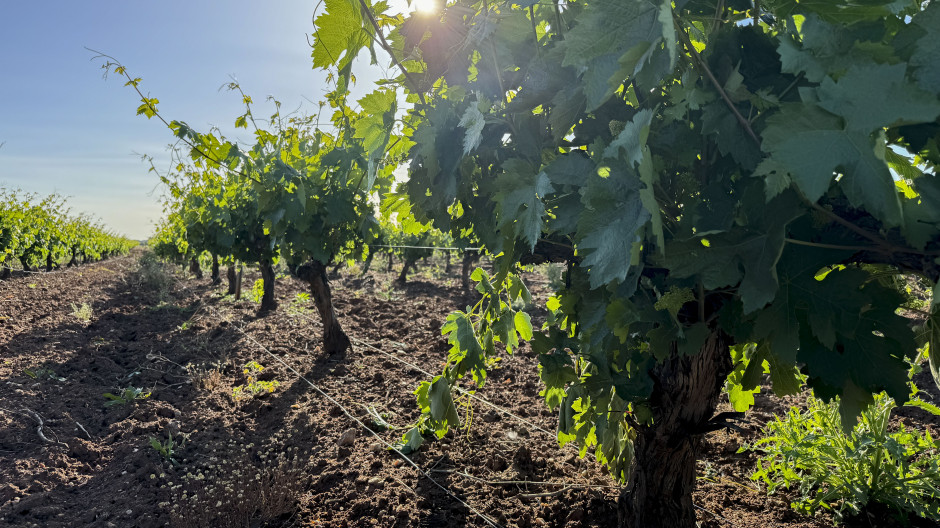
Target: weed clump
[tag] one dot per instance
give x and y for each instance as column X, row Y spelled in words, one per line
column 151, row 277
column 83, row 312
column 237, row 485
column 849, row 472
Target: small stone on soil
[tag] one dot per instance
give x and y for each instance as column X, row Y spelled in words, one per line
column 348, row 438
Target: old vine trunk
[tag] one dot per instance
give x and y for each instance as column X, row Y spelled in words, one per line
column 469, row 257
column 313, row 273
column 410, row 263
column 230, row 275
column 659, row 493
column 267, row 275
column 216, row 276
column 194, row 267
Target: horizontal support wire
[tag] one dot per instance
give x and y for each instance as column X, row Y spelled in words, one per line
column 429, row 247
column 391, row 447
column 459, row 389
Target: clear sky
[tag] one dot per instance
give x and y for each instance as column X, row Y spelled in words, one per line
column 66, row 129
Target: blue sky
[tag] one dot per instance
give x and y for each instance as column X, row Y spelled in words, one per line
column 66, row 129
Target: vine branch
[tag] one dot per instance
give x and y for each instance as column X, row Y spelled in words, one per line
column 687, row 43
column 388, row 49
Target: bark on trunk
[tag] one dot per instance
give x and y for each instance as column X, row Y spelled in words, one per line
column 313, row 273
column 403, row 276
column 469, row 257
column 267, row 275
column 25, row 263
column 238, row 283
column 194, row 267
column 74, row 260
column 216, row 276
column 447, row 261
column 686, row 393
column 5, row 272
column 49, row 264
column 388, row 268
column 230, row 274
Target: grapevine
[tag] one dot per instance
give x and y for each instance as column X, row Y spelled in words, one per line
column 711, row 174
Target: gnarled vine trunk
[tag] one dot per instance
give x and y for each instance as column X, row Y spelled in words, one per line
column 267, row 275
column 335, row 340
column 194, row 267
column 49, row 264
column 238, row 282
column 659, row 493
column 216, row 276
column 469, row 257
column 230, row 275
column 409, row 264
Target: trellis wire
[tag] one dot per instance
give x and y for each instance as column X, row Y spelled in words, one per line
column 430, row 247
column 459, row 389
column 373, row 433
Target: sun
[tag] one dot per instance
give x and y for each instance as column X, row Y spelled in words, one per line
column 426, row 7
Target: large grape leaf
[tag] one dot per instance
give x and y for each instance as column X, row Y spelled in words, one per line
column 749, row 255
column 374, row 128
column 466, row 352
column 605, row 31
column 873, row 96
column 813, row 145
column 840, row 324
column 926, row 57
column 338, row 38
column 609, row 226
column 731, row 137
column 519, row 199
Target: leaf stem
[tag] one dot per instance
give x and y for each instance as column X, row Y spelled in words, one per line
column 388, row 49
column 829, row 246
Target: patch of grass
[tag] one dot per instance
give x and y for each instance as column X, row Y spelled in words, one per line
column 298, row 306
column 205, row 377
column 388, row 292
column 42, row 373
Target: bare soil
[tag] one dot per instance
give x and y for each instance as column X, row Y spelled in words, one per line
column 297, row 453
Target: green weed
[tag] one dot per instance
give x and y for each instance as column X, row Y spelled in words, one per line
column 254, row 387
column 846, row 472
column 83, row 312
column 257, row 291
column 42, row 373
column 166, row 449
column 128, row 395
column 298, row 306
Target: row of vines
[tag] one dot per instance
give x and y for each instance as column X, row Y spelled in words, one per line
column 39, row 232
column 734, row 187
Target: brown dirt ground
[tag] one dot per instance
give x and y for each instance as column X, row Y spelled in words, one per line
column 290, row 457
